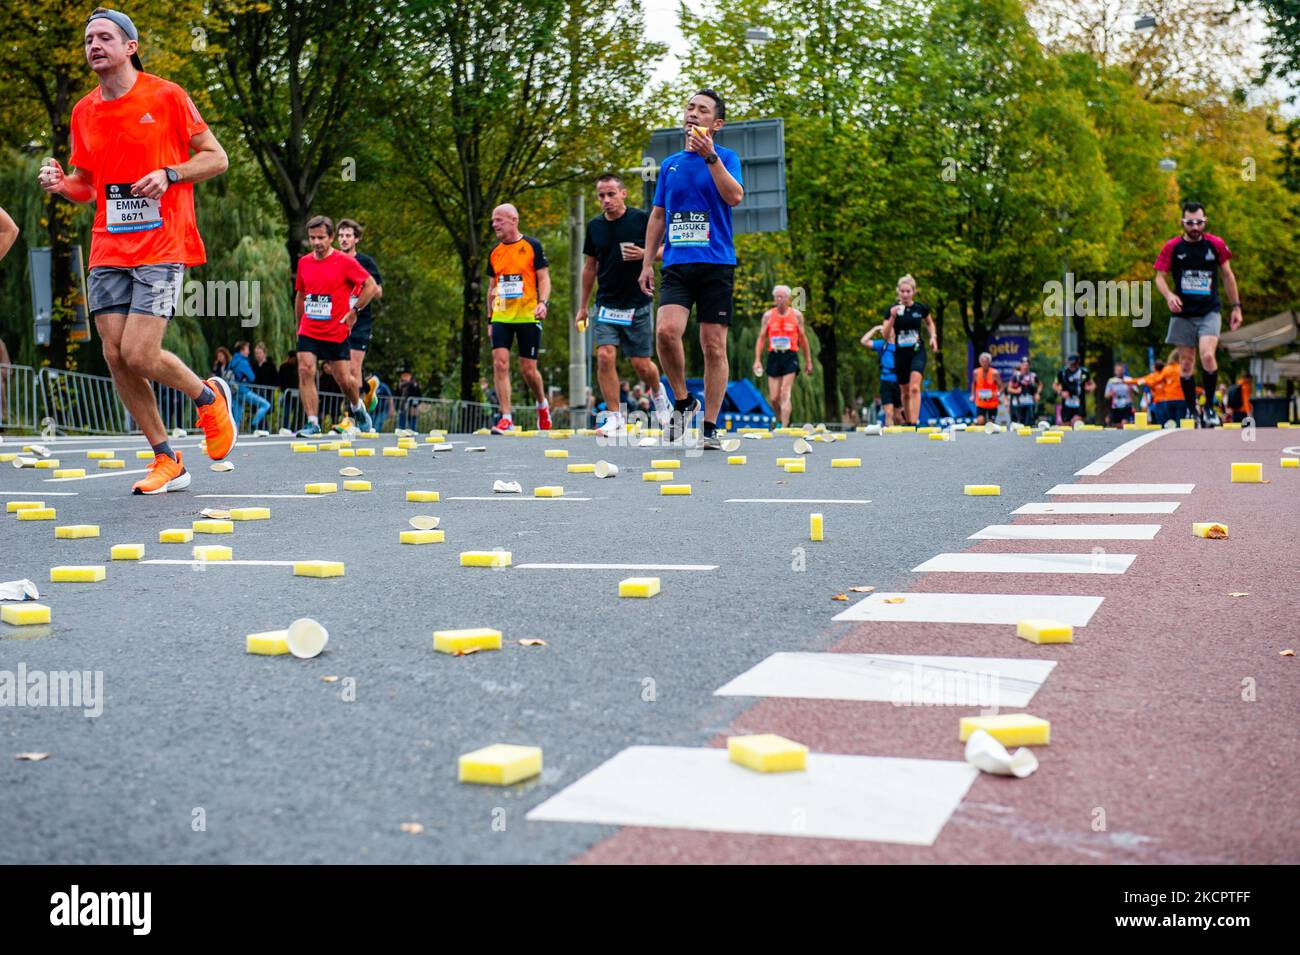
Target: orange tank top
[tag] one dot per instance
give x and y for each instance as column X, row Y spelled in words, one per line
column 986, row 392
column 782, row 331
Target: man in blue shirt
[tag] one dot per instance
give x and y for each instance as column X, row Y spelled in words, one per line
column 694, row 196
column 889, row 393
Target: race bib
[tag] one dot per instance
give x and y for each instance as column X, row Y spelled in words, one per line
column 1197, row 282
column 984, row 394
column 510, row 286
column 615, row 316
column 318, row 307
column 688, row 229
column 124, row 212
column 909, row 338
column 780, row 343
column 1025, row 399
column 1071, row 401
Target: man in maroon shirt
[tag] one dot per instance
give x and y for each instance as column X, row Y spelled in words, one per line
column 327, row 280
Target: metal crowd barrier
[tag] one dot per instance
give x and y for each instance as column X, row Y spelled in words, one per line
column 81, row 403
column 19, row 402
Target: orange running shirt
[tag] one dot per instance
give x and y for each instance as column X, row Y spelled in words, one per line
column 986, row 391
column 782, row 330
column 118, row 142
column 515, row 265
column 1165, row 384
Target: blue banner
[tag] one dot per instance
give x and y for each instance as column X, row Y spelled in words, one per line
column 1008, row 352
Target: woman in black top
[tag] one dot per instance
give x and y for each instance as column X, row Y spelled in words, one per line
column 904, row 321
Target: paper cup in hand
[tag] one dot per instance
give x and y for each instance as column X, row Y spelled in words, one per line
column 306, row 638
column 604, row 469
column 802, row 447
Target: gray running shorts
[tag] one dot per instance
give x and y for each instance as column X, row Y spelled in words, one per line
column 635, row 340
column 143, row 290
column 1189, row 331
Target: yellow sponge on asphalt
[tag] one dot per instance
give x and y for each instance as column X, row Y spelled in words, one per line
column 13, row 506
column 796, row 467
column 500, row 765
column 458, row 641
column 356, row 486
column 665, row 464
column 423, row 537
column 303, row 447
column 365, row 452
column 423, row 497
column 76, row 531
column 318, row 568
column 395, row 452
column 250, row 513
column 1048, row 439
column 738, row 459
column 77, row 575
column 983, row 490
column 322, row 487
column 675, row 489
column 126, row 552
column 36, row 514
column 1009, row 729
column 49, row 464
column 1044, row 631
column 638, row 587
column 485, row 558
column 768, row 753
column 213, row 552
column 327, row 446
column 815, row 527
column 98, row 455
column 69, row 472
column 112, row 464
column 144, row 455
column 782, row 462
column 657, row 476
column 1212, row 530
column 581, row 468
column 347, row 452
column 556, row 452
column 1291, row 462
column 176, row 535
column 212, row 526
column 551, row 491
column 24, row 614
column 271, row 643
column 846, row 462
column 1247, row 473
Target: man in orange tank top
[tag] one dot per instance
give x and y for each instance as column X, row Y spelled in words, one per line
column 985, row 390
column 783, row 328
column 132, row 139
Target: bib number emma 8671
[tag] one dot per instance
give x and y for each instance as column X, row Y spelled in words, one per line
column 124, row 212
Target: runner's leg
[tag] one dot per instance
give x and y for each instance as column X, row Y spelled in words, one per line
column 532, row 378
column 141, row 349
column 131, row 387
column 713, row 340
column 669, row 329
column 1208, row 345
column 501, row 378
column 785, row 387
column 307, row 383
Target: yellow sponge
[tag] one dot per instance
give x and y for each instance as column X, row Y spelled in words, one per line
column 112, row 464
column 638, row 587
column 77, row 575
column 551, row 491
column 983, row 490
column 667, row 490
column 458, row 641
column 347, row 452
column 556, row 452
column 1044, row 631
column 1210, row 529
column 68, row 472
column 76, row 531
column 657, row 476
column 846, row 462
column 318, row 568
column 581, row 468
column 1140, row 419
column 36, row 514
column 1048, row 439
column 1187, row 424
column 13, row 506
column 423, row 537
column 365, row 452
column 49, row 464
column 250, row 513
column 356, row 486
column 8, row 457
column 500, row 765
column 24, row 614
column 1247, row 473
column 738, row 459
column 485, row 558
column 423, row 497
column 126, row 552
column 815, row 528
column 176, row 535
column 782, row 462
column 210, row 526
column 928, row 430
column 303, row 447
column 271, row 643
column 1291, row 462
column 327, row 446
column 213, row 552
column 395, row 452
column 768, row 753
column 407, row 444
column 665, row 464
column 1009, row 729
column 795, row 467
column 323, row 487
column 144, row 455
column 937, row 436
column 98, row 455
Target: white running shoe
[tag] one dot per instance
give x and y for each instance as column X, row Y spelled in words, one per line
column 663, row 407
column 613, row 426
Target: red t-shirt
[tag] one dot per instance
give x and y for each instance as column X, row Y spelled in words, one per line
column 118, row 142
column 326, row 285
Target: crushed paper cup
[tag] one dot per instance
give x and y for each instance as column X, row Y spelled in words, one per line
column 423, row 522
column 223, row 466
column 808, row 429
column 989, row 756
column 22, row 462
column 216, row 513
column 351, row 472
column 476, row 448
column 19, row 590
column 507, row 487
column 442, row 447
column 40, row 450
column 802, row 447
column 605, row 469
column 261, row 433
column 754, row 437
column 287, row 433
column 306, row 638
column 178, row 433
column 873, row 429
column 404, row 433
column 731, row 444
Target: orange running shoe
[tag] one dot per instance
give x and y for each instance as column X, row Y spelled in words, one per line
column 218, row 424
column 164, row 475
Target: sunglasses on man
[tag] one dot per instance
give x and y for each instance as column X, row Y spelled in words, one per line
column 1193, row 222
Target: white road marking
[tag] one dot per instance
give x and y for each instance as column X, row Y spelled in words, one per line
column 1116, row 455
column 221, row 563
column 973, row 608
column 1101, row 507
column 863, row 798
column 27, row 494
column 518, row 497
column 791, row 500
column 255, row 496
column 1068, row 532
column 1152, row 489
column 616, row 566
column 886, row 678
column 92, row 477
column 972, row 563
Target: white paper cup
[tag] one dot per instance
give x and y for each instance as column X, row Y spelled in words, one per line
column 423, row 522
column 802, row 447
column 731, row 444
column 306, row 638
column 604, row 469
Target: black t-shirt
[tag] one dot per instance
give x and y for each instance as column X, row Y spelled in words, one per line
column 365, row 316
column 265, row 373
column 618, row 282
column 907, row 327
column 1194, row 268
column 1072, row 383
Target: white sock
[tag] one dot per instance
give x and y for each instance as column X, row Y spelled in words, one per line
column 542, row 404
column 359, row 406
column 312, row 419
column 505, row 416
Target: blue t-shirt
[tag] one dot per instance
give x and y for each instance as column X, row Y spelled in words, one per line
column 697, row 223
column 886, row 351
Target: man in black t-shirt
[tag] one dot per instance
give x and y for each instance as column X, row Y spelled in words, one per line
column 349, row 235
column 1071, row 383
column 613, row 253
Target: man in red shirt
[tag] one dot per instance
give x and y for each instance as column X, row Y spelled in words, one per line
column 329, row 282
column 131, row 143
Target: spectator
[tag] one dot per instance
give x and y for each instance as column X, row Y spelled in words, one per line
column 1165, row 382
column 1024, row 390
column 1120, row 395
column 264, row 373
column 222, row 363
column 408, row 395
column 241, row 373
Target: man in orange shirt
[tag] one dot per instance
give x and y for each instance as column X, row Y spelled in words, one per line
column 985, row 389
column 131, row 143
column 783, row 327
column 1166, row 386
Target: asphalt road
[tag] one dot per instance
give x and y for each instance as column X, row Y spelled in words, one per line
column 281, row 768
